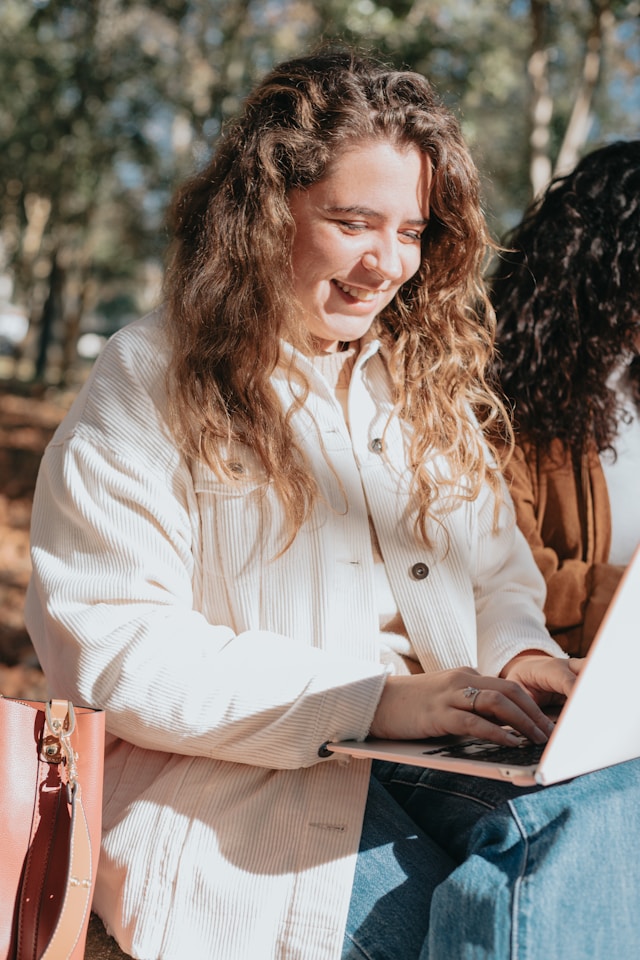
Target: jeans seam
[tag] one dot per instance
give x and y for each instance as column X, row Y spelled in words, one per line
column 447, row 792
column 517, row 886
column 358, row 947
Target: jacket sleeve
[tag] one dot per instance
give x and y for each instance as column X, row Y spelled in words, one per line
column 112, row 616
column 508, row 588
column 578, row 592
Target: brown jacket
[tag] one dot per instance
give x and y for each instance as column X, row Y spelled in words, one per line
column 563, row 511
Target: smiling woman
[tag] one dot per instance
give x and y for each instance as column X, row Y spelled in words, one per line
column 358, row 238
column 274, row 518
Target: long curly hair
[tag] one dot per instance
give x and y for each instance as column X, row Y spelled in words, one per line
column 567, row 300
column 229, row 287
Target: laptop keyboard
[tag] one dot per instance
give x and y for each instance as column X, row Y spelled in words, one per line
column 525, row 754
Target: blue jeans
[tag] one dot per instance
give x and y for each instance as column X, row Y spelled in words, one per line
column 461, row 868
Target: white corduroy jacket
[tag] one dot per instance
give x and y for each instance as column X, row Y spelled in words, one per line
column 159, row 594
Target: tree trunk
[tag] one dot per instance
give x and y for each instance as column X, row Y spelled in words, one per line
column 541, row 108
column 578, row 127
column 80, row 295
column 50, row 312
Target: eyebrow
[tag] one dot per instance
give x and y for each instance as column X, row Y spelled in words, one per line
column 369, row 212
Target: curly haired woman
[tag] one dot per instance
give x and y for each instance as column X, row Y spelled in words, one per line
column 269, row 499
column 567, row 299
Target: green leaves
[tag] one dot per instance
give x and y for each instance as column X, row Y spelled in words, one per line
column 105, row 105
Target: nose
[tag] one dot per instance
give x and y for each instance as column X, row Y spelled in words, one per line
column 385, row 259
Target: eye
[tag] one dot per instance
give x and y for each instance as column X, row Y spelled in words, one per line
column 415, row 236
column 352, row 226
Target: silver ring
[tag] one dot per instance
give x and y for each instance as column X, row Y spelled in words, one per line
column 471, row 693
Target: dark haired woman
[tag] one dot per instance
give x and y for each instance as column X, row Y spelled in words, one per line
column 272, row 520
column 567, row 298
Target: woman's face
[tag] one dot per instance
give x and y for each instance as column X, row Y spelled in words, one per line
column 357, row 238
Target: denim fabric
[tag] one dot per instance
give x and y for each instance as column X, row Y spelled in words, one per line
column 397, row 870
column 537, row 874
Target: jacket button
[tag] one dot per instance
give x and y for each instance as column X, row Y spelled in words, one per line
column 376, row 445
column 419, row 571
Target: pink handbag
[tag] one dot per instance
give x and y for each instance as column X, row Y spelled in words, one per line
column 52, row 757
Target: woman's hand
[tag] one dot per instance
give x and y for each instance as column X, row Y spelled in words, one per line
column 547, row 679
column 435, row 704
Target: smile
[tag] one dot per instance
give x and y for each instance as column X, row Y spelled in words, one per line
column 358, row 293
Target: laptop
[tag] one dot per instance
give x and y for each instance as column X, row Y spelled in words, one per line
column 598, row 725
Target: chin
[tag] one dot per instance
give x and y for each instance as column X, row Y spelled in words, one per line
column 350, row 331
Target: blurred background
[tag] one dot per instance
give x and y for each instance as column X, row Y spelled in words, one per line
column 106, row 105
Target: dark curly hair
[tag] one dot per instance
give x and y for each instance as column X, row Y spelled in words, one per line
column 567, row 300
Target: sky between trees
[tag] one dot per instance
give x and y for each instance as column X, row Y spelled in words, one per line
column 105, row 105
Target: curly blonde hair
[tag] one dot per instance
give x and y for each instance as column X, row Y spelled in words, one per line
column 230, row 294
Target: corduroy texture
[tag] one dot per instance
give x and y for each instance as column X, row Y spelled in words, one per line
column 160, row 594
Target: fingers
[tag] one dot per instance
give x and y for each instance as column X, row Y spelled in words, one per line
column 546, row 678
column 557, row 676
column 491, row 703
column 481, row 729
column 471, row 694
column 460, row 701
column 508, row 704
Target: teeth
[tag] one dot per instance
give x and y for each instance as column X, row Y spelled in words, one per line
column 357, row 292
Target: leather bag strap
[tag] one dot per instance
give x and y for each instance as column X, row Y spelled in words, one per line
column 77, row 895
column 60, row 800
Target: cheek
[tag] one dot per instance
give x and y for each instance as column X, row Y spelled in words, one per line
column 309, row 257
column 413, row 263
column 302, row 262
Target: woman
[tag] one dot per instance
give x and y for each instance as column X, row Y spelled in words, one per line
column 567, row 299
column 272, row 520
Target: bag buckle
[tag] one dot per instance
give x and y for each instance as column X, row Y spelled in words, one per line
column 56, row 745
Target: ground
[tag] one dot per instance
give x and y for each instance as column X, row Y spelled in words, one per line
column 26, row 424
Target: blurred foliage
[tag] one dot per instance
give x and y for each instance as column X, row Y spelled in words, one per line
column 105, row 105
